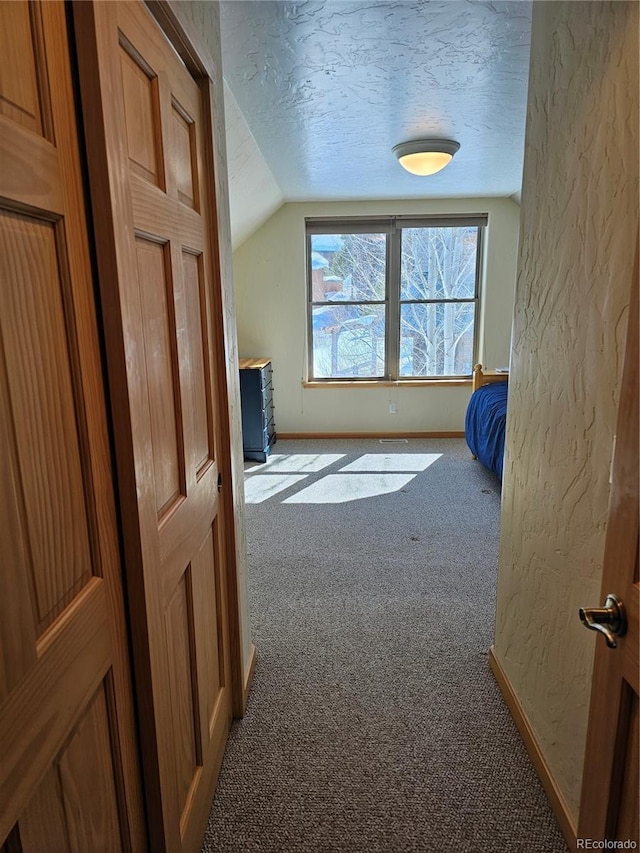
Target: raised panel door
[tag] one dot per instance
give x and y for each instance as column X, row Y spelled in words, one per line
column 68, row 775
column 157, row 290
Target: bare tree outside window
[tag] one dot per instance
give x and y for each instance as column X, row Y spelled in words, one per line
column 348, row 312
column 436, row 337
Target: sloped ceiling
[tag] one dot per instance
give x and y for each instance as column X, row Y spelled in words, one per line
column 253, row 192
column 319, row 92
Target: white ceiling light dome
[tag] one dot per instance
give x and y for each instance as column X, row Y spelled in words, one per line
column 425, row 156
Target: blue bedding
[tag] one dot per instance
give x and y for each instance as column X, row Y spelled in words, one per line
column 485, row 425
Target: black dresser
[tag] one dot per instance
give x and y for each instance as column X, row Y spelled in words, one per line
column 256, row 396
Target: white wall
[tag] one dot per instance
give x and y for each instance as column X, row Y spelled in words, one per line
column 579, row 225
column 270, row 280
column 253, row 192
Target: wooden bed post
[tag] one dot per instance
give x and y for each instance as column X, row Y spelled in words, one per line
column 478, row 378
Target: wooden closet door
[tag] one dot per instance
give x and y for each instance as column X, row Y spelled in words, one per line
column 153, row 211
column 68, row 761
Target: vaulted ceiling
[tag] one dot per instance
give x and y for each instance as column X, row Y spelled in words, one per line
column 318, row 93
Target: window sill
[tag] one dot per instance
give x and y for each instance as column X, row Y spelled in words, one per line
column 383, row 383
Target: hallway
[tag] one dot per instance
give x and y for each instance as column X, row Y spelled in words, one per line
column 374, row 723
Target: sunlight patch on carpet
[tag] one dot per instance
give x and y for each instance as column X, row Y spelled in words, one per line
column 342, row 488
column 392, row 462
column 258, row 489
column 307, row 463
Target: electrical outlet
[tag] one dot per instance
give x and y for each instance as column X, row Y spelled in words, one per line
column 392, row 408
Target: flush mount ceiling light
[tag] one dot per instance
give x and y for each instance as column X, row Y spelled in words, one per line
column 425, row 156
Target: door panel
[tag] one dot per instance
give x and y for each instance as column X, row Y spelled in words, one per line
column 88, row 787
column 161, row 360
column 43, row 824
column 39, row 384
column 198, row 358
column 146, row 132
column 20, row 27
column 209, row 617
column 140, row 91
column 75, row 806
column 627, row 817
column 68, row 776
column 183, row 159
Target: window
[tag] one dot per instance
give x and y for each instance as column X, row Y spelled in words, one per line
column 393, row 298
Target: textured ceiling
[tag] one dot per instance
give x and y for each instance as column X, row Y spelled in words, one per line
column 328, row 88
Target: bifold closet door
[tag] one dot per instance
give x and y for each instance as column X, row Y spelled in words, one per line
column 154, row 211
column 68, row 761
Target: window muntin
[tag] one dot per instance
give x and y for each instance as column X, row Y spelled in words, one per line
column 407, row 294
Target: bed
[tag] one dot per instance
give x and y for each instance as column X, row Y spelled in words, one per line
column 486, row 417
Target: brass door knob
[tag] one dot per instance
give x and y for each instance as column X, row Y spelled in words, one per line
column 610, row 619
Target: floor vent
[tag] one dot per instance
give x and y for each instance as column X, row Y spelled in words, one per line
column 393, row 440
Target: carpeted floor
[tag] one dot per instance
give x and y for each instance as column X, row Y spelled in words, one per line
column 374, row 723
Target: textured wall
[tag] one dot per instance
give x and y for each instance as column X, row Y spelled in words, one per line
column 579, row 221
column 270, row 278
column 205, row 19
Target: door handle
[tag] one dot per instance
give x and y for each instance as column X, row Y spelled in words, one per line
column 610, row 619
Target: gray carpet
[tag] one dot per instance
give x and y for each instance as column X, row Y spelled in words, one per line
column 374, row 723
